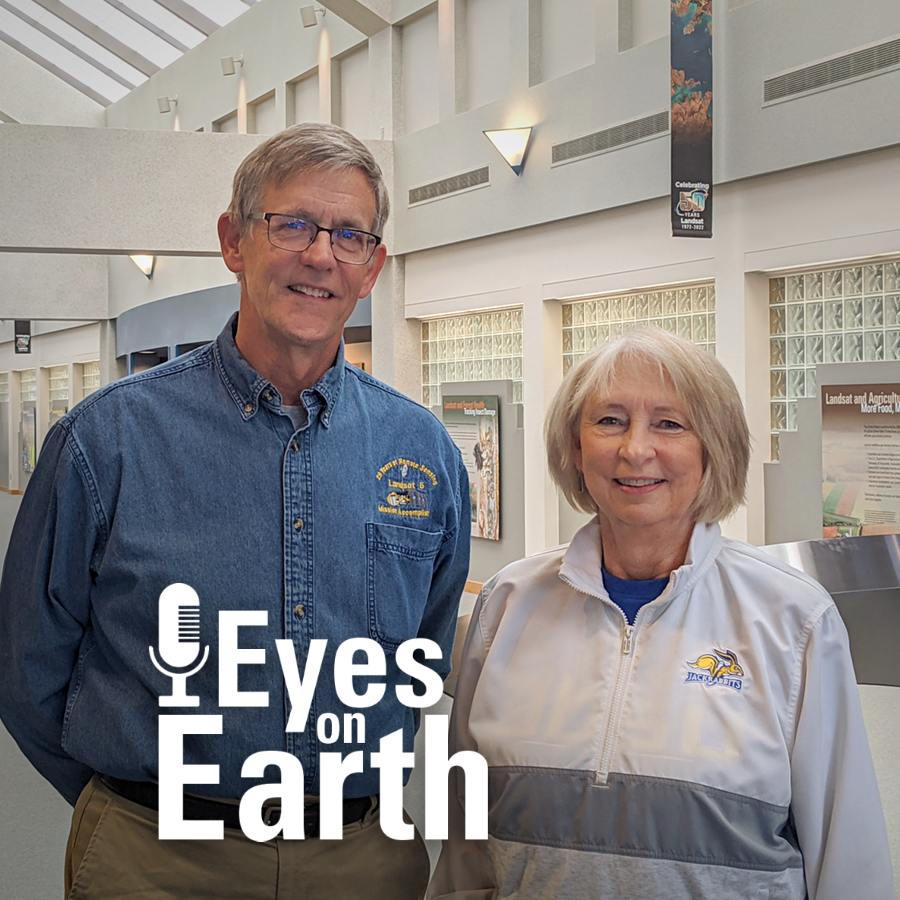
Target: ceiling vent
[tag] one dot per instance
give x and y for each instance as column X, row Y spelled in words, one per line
column 611, row 138
column 446, row 186
column 833, row 72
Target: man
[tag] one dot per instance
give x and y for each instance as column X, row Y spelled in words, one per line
column 258, row 471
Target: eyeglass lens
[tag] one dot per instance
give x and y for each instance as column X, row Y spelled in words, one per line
column 290, row 233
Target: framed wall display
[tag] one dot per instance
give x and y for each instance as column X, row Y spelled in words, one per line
column 473, row 423
column 860, row 459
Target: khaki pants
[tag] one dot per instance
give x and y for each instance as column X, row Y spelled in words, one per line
column 114, row 853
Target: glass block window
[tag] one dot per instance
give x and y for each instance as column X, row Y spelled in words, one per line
column 28, row 385
column 4, row 387
column 59, row 382
column 480, row 346
column 90, row 377
column 848, row 314
column 688, row 310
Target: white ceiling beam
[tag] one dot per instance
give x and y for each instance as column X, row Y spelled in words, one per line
column 146, row 23
column 54, row 69
column 367, row 16
column 103, row 38
column 72, row 48
column 188, row 14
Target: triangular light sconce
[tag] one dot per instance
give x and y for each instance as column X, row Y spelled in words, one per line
column 145, row 264
column 511, row 143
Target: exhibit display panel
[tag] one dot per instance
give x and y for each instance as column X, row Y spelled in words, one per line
column 27, row 425
column 685, row 310
column 843, row 314
column 480, row 346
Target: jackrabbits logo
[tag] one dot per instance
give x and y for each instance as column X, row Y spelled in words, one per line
column 717, row 667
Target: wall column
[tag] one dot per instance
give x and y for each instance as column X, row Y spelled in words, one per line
column 111, row 369
column 396, row 340
column 542, row 371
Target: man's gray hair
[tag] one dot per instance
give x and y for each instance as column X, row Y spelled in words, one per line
column 710, row 400
column 303, row 148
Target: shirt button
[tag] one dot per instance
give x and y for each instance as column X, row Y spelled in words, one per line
column 295, row 446
column 248, row 408
column 267, row 396
column 325, row 415
column 299, row 610
column 298, row 524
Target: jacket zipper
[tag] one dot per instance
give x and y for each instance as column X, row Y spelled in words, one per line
column 601, row 776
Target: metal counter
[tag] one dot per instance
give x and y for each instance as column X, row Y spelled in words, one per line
column 862, row 574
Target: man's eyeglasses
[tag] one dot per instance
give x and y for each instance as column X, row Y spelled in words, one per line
column 347, row 244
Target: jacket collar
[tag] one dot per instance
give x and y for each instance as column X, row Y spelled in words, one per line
column 249, row 390
column 581, row 562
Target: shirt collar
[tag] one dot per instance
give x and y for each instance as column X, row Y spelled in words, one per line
column 249, row 390
column 583, row 559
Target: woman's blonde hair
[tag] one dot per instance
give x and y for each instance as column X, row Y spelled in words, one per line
column 710, row 399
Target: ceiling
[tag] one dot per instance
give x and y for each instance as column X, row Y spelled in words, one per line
column 105, row 48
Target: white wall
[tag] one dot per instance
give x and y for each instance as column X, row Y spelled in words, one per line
column 779, row 220
column 419, row 48
column 31, row 95
column 305, row 99
column 52, row 285
column 650, row 21
column 172, row 276
column 552, row 232
column 567, row 36
column 115, row 189
column 262, row 117
column 487, row 43
column 356, row 93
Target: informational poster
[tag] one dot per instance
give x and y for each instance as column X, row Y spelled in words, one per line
column 473, row 423
column 692, row 118
column 860, row 459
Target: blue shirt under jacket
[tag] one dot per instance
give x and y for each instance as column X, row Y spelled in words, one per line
column 354, row 525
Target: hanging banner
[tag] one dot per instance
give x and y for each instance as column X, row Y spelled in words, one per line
column 860, row 459
column 692, row 93
column 23, row 336
column 473, row 423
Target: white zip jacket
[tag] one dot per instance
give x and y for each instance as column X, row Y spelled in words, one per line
column 713, row 751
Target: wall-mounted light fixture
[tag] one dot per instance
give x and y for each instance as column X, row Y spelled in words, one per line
column 308, row 16
column 511, row 144
column 145, row 263
column 165, row 104
column 229, row 62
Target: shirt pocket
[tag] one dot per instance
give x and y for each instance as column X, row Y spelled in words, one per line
column 399, row 569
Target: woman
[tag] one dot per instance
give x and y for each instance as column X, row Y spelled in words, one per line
column 667, row 714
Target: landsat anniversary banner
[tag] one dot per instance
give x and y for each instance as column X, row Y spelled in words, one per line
column 692, row 118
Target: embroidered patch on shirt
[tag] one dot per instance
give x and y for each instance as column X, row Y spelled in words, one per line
column 717, row 667
column 407, row 483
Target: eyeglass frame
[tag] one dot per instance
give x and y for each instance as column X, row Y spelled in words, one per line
column 267, row 218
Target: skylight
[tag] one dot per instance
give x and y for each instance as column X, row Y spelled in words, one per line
column 104, row 48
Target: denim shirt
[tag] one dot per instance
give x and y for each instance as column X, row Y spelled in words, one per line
column 354, row 525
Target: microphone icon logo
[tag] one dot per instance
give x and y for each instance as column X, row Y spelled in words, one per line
column 179, row 641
